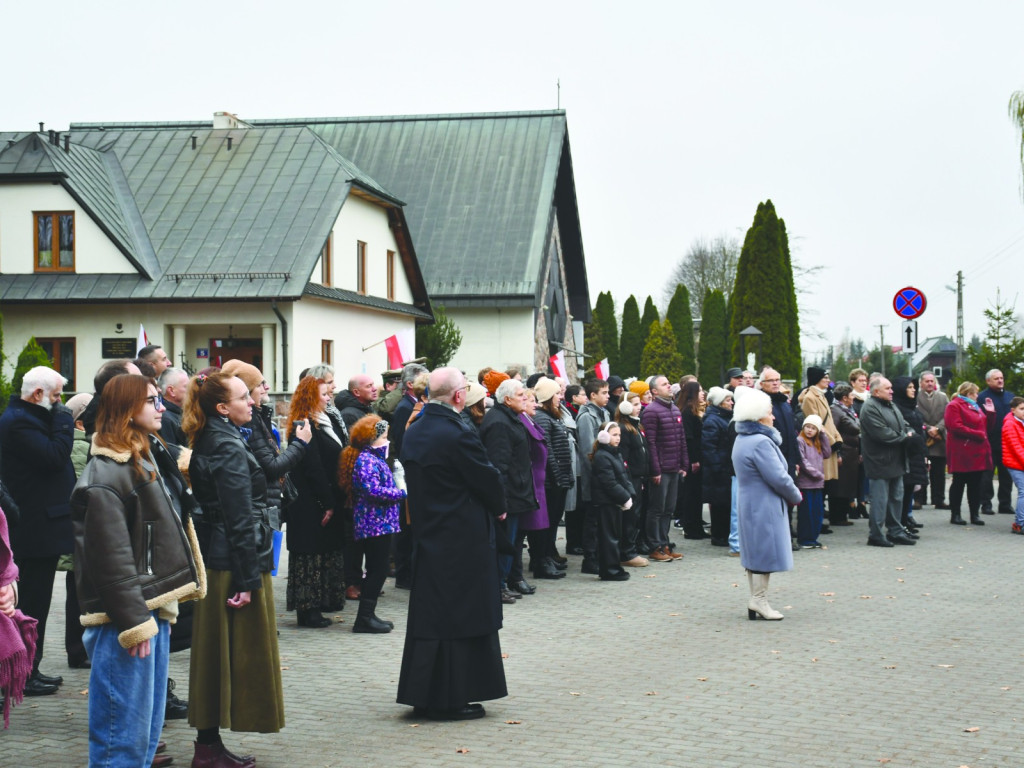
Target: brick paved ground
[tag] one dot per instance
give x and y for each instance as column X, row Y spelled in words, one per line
column 886, row 657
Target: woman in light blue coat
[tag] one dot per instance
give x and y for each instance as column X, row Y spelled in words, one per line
column 764, row 492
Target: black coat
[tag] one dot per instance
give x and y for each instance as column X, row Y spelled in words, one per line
column 399, row 420
column 231, row 490
column 508, row 448
column 36, row 447
column 848, row 483
column 556, row 436
column 692, row 428
column 609, row 480
column 917, row 446
column 352, row 409
column 455, row 494
column 786, row 426
column 170, row 424
column 716, row 445
column 275, row 464
column 316, row 480
column 634, row 452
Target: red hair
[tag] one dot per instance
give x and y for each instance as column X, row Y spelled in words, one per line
column 361, row 435
column 306, row 403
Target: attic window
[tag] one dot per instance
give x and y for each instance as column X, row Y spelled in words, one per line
column 54, row 240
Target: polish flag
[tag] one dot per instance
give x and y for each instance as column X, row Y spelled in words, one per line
column 601, row 369
column 558, row 364
column 401, row 347
column 142, row 341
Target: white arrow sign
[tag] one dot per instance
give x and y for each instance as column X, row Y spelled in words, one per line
column 908, row 336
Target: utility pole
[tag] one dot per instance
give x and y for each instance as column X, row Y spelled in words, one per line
column 881, row 346
column 959, row 321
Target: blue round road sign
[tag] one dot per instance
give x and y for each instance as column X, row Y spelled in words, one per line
column 909, row 303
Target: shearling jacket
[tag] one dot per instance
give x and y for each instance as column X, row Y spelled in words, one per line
column 132, row 554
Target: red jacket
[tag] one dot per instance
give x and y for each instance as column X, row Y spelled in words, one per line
column 967, row 447
column 1013, row 443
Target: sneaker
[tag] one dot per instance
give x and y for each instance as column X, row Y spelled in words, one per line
column 1016, row 529
column 636, row 562
column 659, row 557
column 807, row 546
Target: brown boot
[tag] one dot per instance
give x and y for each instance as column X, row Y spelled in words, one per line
column 217, row 756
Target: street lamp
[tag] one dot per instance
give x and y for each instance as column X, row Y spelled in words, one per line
column 751, row 332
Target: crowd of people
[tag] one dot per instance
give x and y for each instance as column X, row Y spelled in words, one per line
column 164, row 496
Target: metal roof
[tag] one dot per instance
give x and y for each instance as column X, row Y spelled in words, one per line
column 203, row 214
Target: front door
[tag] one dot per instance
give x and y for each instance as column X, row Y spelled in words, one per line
column 247, row 350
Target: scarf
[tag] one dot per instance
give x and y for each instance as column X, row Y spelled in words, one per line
column 17, row 635
column 327, row 426
column 971, row 403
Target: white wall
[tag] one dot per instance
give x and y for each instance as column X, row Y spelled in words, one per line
column 350, row 328
column 94, row 252
column 495, row 337
column 368, row 222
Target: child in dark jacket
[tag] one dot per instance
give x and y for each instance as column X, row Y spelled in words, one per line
column 815, row 447
column 610, row 493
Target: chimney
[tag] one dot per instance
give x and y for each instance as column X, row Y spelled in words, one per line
column 193, row 142
column 40, row 127
column 67, row 142
column 229, row 143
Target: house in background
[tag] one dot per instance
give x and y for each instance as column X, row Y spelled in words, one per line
column 938, row 355
column 225, row 240
column 491, row 204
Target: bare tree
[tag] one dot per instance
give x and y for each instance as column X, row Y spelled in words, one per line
column 709, row 265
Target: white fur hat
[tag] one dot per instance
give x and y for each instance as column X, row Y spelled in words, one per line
column 752, row 405
column 815, row 419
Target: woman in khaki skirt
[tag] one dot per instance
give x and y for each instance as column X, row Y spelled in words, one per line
column 235, row 676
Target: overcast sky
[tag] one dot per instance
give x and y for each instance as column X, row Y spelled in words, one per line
column 880, row 133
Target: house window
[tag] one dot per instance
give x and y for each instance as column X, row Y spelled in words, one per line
column 62, row 353
column 326, row 255
column 55, row 241
column 361, row 267
column 327, row 351
column 391, row 275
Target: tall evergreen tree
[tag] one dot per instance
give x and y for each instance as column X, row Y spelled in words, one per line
column 712, row 357
column 604, row 316
column 632, row 340
column 661, row 353
column 679, row 315
column 764, row 297
column 593, row 347
column 31, row 356
column 649, row 316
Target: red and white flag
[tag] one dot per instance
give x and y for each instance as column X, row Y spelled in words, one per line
column 601, row 369
column 142, row 341
column 401, row 347
column 558, row 364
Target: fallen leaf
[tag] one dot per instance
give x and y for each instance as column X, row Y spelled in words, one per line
column 673, row 614
column 901, row 569
column 900, row 580
column 826, row 594
column 945, row 666
column 1005, row 688
column 650, row 576
column 776, row 651
column 513, row 722
column 619, row 616
column 884, row 760
column 462, row 751
column 890, row 597
column 574, row 693
column 891, row 666
column 865, row 597
column 702, row 679
column 283, row 668
column 833, row 641
column 972, row 729
column 814, row 660
column 651, row 693
column 415, row 725
column 86, row 692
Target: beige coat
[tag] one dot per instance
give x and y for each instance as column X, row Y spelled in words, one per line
column 933, row 411
column 812, row 400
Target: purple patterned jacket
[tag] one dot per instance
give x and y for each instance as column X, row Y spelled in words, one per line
column 375, row 512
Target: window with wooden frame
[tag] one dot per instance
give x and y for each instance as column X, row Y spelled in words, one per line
column 62, row 353
column 54, row 241
column 361, row 267
column 326, row 265
column 327, row 351
column 391, row 275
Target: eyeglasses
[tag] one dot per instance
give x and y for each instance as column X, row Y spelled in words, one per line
column 156, row 400
column 770, row 381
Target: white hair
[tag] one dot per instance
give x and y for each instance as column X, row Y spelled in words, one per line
column 753, row 405
column 43, row 378
column 992, row 373
column 507, row 388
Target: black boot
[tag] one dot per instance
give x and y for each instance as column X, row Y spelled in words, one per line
column 545, row 569
column 313, row 619
column 176, row 709
column 975, row 518
column 366, row 622
column 955, row 519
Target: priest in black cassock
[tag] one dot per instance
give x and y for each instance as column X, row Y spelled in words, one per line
column 452, row 656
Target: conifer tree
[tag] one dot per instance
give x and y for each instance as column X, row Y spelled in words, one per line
column 650, row 316
column 31, row 356
column 632, row 339
column 593, row 347
column 678, row 314
column 604, row 316
column 712, row 356
column 661, row 353
column 438, row 342
column 764, row 296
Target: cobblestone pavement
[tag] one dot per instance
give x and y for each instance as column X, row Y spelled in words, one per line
column 896, row 657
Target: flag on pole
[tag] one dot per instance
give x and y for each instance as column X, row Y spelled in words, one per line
column 142, row 341
column 400, row 347
column 558, row 364
column 601, row 369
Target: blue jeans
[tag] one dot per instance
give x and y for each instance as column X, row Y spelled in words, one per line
column 734, row 524
column 809, row 515
column 127, row 698
column 1018, row 480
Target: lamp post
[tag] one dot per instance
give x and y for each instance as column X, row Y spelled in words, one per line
column 751, row 332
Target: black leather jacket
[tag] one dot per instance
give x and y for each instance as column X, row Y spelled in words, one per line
column 132, row 554
column 276, row 464
column 231, row 488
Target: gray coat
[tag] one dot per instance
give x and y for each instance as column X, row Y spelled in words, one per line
column 933, row 410
column 883, row 434
column 764, row 492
